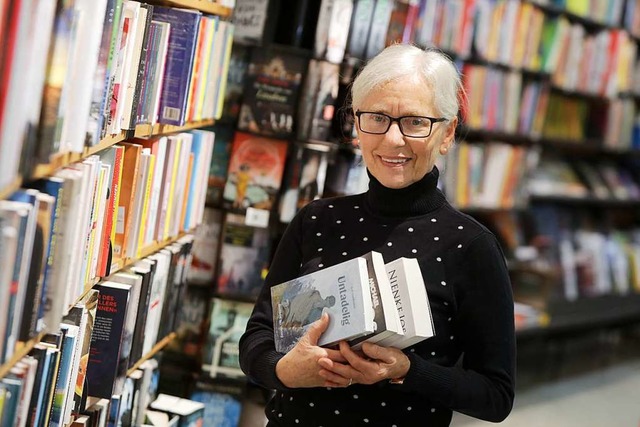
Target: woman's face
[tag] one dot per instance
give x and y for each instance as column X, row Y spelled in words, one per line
column 398, row 161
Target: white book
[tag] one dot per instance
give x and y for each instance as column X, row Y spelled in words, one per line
column 8, row 246
column 386, row 318
column 341, row 290
column 156, row 187
column 412, row 302
column 136, row 211
column 156, row 301
column 204, row 174
column 179, row 190
column 132, row 68
column 158, row 78
column 89, row 217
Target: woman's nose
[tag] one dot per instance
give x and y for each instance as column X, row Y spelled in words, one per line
column 394, row 136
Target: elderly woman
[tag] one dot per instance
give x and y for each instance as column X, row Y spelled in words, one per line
column 406, row 103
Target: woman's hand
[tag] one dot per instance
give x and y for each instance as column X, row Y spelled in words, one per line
column 300, row 368
column 377, row 363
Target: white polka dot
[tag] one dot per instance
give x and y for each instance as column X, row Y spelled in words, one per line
column 320, row 265
column 328, row 388
column 413, row 350
column 383, row 403
column 389, row 244
column 312, row 404
column 331, row 206
column 446, row 303
column 449, row 319
column 459, row 246
column 408, row 408
column 338, row 222
column 313, row 217
column 337, row 412
column 451, row 337
column 436, row 238
column 361, row 219
column 434, row 220
column 433, row 410
column 280, row 414
column 355, row 396
column 365, row 238
column 414, row 251
column 438, row 259
column 344, row 254
column 297, row 421
column 433, row 353
column 291, row 399
column 342, row 237
column 460, row 227
column 356, row 207
column 443, row 283
column 319, row 249
column 366, row 420
column 318, row 234
column 410, row 229
column 394, row 425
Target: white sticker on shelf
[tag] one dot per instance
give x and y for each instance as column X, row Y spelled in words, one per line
column 257, row 218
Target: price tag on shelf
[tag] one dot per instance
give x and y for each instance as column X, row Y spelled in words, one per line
column 257, row 218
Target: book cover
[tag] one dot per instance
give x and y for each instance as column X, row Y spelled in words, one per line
column 304, row 179
column 106, row 338
column 179, row 63
column 190, row 413
column 342, row 290
column 238, row 66
column 255, row 171
column 227, row 323
column 271, row 91
column 244, row 258
column 205, row 248
column 412, row 302
column 219, row 163
column 386, row 319
column 220, row 409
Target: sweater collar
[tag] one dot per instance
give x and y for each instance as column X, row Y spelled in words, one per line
column 418, row 198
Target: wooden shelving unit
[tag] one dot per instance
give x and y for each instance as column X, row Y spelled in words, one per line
column 22, row 350
column 9, row 189
column 206, row 6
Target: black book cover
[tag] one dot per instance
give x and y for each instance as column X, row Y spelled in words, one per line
column 143, row 309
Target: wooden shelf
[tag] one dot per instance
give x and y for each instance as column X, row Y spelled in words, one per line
column 586, row 201
column 22, row 350
column 142, row 131
column 156, row 348
column 9, row 189
column 206, row 6
column 151, row 249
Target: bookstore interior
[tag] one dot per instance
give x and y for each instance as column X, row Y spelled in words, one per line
column 152, row 155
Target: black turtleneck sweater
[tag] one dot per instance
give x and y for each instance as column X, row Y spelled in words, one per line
column 468, row 366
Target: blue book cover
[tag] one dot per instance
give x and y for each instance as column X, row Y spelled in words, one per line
column 196, row 149
column 106, row 338
column 220, row 409
column 180, row 56
column 64, row 375
column 12, row 390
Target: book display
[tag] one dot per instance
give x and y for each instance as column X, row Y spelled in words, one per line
column 103, row 180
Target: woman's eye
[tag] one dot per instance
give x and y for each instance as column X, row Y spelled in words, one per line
column 378, row 118
column 416, row 121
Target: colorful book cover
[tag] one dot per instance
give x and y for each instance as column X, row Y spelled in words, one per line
column 228, row 320
column 255, row 171
column 219, row 163
column 205, row 248
column 244, row 258
column 220, row 409
column 271, row 91
column 341, row 290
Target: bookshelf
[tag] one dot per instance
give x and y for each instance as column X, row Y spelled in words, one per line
column 164, row 199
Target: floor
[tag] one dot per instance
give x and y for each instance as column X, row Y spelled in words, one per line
column 591, row 380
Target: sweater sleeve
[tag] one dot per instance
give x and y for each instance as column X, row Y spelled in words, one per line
column 258, row 357
column 482, row 386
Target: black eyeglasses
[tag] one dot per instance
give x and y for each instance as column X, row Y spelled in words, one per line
column 411, row 126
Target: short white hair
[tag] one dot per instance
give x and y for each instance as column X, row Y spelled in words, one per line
column 429, row 66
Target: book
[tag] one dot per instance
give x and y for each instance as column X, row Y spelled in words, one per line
column 255, row 171
column 412, row 303
column 190, row 413
column 386, row 315
column 342, row 290
column 244, row 258
column 205, row 248
column 227, row 323
column 271, row 91
column 221, row 409
column 219, row 163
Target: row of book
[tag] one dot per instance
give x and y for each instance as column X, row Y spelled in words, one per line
column 71, row 369
column 488, row 175
column 607, row 13
column 101, row 68
column 88, row 219
column 587, row 260
column 602, row 180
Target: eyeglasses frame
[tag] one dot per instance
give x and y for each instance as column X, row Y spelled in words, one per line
column 392, row 119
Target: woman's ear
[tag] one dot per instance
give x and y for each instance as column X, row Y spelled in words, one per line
column 449, row 137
